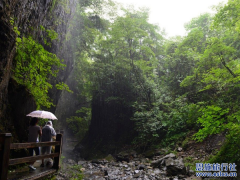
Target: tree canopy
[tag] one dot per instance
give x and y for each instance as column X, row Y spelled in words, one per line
column 130, row 74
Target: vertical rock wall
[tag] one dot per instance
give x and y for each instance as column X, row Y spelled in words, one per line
column 28, row 16
column 7, row 46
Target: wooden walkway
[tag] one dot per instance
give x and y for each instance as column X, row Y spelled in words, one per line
column 24, row 173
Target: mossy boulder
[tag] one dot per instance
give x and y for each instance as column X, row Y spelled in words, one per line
column 110, row 158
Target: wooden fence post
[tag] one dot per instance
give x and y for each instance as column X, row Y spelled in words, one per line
column 63, row 137
column 5, row 141
column 58, row 149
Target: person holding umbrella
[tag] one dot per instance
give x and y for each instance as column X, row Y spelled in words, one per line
column 34, row 131
column 47, row 133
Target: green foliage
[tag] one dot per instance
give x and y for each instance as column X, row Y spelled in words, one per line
column 229, row 152
column 79, row 124
column 33, row 67
column 191, row 163
column 185, row 142
column 169, row 121
column 213, row 121
column 63, row 3
column 215, row 79
column 42, row 122
column 76, row 173
column 63, row 86
column 48, row 35
column 53, row 5
column 203, row 67
column 173, row 85
column 148, row 123
column 179, row 119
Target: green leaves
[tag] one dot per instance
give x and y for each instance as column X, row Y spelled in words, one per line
column 125, row 61
column 147, row 122
column 213, row 121
column 63, row 86
column 34, row 66
column 79, row 124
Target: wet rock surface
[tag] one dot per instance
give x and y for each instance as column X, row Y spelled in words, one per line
column 161, row 161
column 175, row 166
column 138, row 167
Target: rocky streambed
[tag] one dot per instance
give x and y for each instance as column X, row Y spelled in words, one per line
column 127, row 166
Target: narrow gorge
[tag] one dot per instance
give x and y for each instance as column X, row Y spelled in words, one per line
column 133, row 102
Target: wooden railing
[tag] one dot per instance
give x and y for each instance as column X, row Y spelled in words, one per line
column 6, row 146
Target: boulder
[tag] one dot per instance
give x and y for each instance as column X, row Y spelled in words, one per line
column 175, row 166
column 160, row 162
column 141, row 167
column 70, row 161
column 82, row 169
column 179, row 149
column 156, row 171
column 191, row 172
column 109, row 158
column 136, row 175
column 105, row 171
column 149, row 153
column 96, row 161
column 125, row 155
column 81, row 162
column 136, row 171
column 154, row 152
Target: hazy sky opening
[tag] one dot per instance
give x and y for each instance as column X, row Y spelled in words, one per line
column 173, row 14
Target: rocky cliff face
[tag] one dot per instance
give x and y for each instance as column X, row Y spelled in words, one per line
column 7, row 46
column 28, row 16
column 111, row 126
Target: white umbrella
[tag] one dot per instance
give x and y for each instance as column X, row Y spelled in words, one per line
column 43, row 114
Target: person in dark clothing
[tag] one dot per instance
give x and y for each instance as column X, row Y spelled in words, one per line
column 34, row 131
